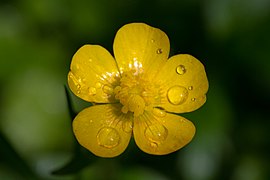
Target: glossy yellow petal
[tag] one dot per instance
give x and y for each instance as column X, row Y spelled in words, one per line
column 183, row 84
column 93, row 74
column 160, row 133
column 140, row 48
column 103, row 129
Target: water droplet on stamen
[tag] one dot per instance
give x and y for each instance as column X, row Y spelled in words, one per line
column 190, row 88
column 108, row 137
column 107, row 89
column 181, row 69
column 156, row 133
column 92, row 91
column 177, row 95
column 158, row 112
column 159, row 51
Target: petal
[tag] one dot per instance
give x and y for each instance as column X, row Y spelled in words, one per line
column 183, row 84
column 103, row 129
column 93, row 74
column 140, row 47
column 160, row 133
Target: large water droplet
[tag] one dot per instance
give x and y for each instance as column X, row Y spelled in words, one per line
column 181, row 69
column 92, row 91
column 127, row 126
column 177, row 95
column 108, row 137
column 159, row 51
column 159, row 113
column 156, row 133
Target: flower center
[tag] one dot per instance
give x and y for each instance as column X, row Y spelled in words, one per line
column 135, row 93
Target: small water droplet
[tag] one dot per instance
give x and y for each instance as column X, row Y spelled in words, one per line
column 108, row 137
column 98, row 85
column 156, row 133
column 78, row 88
column 190, row 88
column 152, row 40
column 127, row 126
column 193, row 99
column 107, row 89
column 181, row 69
column 158, row 112
column 177, row 95
column 92, row 91
column 159, row 51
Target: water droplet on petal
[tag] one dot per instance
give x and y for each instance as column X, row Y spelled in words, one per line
column 177, row 95
column 190, row 88
column 158, row 112
column 127, row 126
column 98, row 85
column 75, row 82
column 193, row 99
column 152, row 40
column 156, row 133
column 108, row 137
column 78, row 88
column 92, row 91
column 159, row 51
column 181, row 69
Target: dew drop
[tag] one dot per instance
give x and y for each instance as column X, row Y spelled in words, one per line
column 78, row 88
column 177, row 95
column 181, row 69
column 193, row 99
column 98, row 85
column 107, row 89
column 159, row 51
column 156, row 133
column 127, row 126
column 108, row 137
column 92, row 91
column 190, row 88
column 159, row 113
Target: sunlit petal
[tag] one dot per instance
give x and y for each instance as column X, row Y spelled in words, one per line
column 160, row 133
column 103, row 129
column 183, row 84
column 93, row 74
column 141, row 48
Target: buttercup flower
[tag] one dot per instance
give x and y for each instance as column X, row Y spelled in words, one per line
column 137, row 92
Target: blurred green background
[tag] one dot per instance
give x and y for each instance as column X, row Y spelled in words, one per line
column 38, row 39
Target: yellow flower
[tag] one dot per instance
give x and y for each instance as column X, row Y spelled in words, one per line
column 136, row 93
